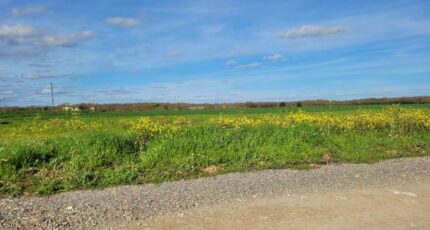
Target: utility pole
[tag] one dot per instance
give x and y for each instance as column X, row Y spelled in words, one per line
column 52, row 96
column 4, row 104
column 94, row 104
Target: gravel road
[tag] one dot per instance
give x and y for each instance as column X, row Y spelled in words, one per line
column 117, row 206
column 386, row 208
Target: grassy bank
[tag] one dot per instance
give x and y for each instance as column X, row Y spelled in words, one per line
column 53, row 155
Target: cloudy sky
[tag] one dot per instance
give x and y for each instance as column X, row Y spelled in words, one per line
column 212, row 51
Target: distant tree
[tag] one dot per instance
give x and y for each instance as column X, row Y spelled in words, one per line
column 84, row 107
column 282, row 104
column 299, row 104
column 251, row 105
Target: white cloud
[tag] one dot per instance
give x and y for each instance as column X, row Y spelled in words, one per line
column 57, row 90
column 66, row 40
column 174, row 54
column 234, row 63
column 122, row 22
column 314, row 31
column 17, row 31
column 211, row 29
column 250, row 65
column 231, row 62
column 35, row 76
column 274, row 57
column 19, row 11
column 45, row 90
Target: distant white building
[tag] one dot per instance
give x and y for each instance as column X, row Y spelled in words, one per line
column 70, row 108
column 197, row 107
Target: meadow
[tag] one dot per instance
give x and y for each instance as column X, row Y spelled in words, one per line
column 47, row 152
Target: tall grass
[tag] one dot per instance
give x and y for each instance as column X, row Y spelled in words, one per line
column 269, row 146
column 113, row 152
column 64, row 164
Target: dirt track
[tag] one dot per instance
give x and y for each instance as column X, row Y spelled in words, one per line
column 406, row 207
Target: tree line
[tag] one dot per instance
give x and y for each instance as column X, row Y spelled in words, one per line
column 121, row 107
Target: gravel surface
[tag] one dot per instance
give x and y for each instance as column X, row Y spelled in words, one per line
column 383, row 208
column 90, row 209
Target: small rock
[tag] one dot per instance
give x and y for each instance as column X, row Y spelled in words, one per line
column 313, row 166
column 326, row 157
column 31, row 221
column 212, row 169
column 69, row 208
column 404, row 193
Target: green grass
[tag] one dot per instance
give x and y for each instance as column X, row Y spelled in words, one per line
column 25, row 115
column 71, row 158
column 66, row 164
column 265, row 147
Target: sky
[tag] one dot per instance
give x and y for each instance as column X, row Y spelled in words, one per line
column 212, row 51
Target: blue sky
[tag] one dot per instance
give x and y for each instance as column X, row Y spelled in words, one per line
column 212, row 51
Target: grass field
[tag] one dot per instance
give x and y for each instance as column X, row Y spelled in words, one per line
column 45, row 152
